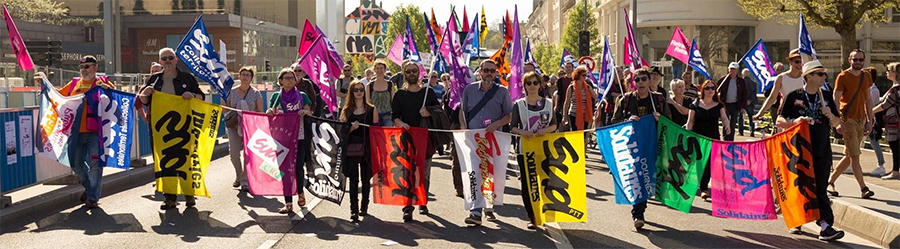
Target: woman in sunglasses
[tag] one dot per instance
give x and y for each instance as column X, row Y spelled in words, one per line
column 582, row 110
column 357, row 110
column 291, row 100
column 435, row 84
column 532, row 116
column 704, row 120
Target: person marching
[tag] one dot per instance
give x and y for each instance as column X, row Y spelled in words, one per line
column 292, row 100
column 246, row 98
column 704, row 119
column 357, row 110
column 532, row 107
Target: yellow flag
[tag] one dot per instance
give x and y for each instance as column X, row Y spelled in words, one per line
column 555, row 179
column 483, row 27
column 184, row 134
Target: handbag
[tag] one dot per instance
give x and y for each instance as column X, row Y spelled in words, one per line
column 232, row 119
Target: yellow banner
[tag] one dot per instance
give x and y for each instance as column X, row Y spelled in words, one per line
column 555, row 179
column 184, row 134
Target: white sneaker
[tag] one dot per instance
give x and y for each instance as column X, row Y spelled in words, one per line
column 849, row 170
column 879, row 171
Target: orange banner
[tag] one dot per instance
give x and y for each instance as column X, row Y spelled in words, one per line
column 792, row 175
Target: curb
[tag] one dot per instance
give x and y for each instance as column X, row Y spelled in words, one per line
column 69, row 196
column 873, row 226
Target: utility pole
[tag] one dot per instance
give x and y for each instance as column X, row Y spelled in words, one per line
column 634, row 21
column 108, row 36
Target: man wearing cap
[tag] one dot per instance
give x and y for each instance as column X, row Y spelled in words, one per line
column 851, row 87
column 85, row 155
column 785, row 83
column 656, row 77
column 733, row 92
column 815, row 106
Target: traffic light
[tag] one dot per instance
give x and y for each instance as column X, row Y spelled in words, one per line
column 268, row 66
column 45, row 53
column 584, row 43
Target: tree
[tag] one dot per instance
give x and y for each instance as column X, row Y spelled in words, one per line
column 189, row 5
column 175, row 6
column 397, row 24
column 845, row 16
column 138, row 8
column 46, row 12
column 494, row 38
column 578, row 23
column 547, row 56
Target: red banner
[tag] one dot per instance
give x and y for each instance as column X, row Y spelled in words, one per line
column 792, row 175
column 398, row 165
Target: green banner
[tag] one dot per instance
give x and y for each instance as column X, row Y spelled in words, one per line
column 682, row 157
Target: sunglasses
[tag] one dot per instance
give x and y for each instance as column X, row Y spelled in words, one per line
column 709, row 88
column 412, row 71
column 433, row 77
column 639, row 79
column 532, row 83
column 86, row 66
column 796, row 61
column 488, row 70
column 167, row 58
column 858, row 60
column 819, row 73
column 298, row 71
column 358, row 90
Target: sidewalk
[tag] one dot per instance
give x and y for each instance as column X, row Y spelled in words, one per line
column 876, row 219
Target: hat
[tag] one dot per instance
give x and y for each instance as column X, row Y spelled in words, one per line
column 812, row 66
column 88, row 59
column 655, row 70
column 794, row 53
column 733, row 65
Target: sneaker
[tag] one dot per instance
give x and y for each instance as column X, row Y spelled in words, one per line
column 831, row 234
column 474, row 220
column 795, row 230
column 892, row 175
column 866, row 193
column 354, row 218
column 638, row 223
column 490, row 215
column 423, row 210
column 878, row 171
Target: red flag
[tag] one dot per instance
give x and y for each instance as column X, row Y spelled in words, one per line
column 307, row 38
column 435, row 27
column 465, row 24
column 503, row 67
column 508, row 36
column 398, row 165
column 18, row 45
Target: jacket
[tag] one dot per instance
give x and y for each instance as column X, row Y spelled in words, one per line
column 437, row 120
column 741, row 92
column 184, row 82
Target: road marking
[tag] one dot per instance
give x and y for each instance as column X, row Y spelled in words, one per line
column 309, row 207
column 558, row 236
column 268, row 244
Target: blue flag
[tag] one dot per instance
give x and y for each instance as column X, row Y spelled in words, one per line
column 567, row 58
column 196, row 51
column 607, row 75
column 806, row 46
column 115, row 111
column 472, row 47
column 631, row 156
column 695, row 60
column 410, row 52
column 757, row 61
column 438, row 62
column 530, row 58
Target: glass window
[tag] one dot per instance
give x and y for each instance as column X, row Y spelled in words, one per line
column 778, row 51
column 721, row 45
column 895, row 15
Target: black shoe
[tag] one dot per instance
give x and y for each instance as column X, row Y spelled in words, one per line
column 91, row 204
column 236, row 184
column 795, row 230
column 190, row 201
column 531, row 226
column 423, row 210
column 407, row 217
column 364, row 211
column 473, row 220
column 866, row 193
column 831, row 234
column 83, row 197
column 168, row 205
column 490, row 216
column 354, row 218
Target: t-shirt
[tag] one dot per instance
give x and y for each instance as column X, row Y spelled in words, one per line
column 81, row 87
column 890, row 103
column 406, row 105
column 848, row 84
column 692, row 92
column 800, row 103
column 731, row 95
column 562, row 85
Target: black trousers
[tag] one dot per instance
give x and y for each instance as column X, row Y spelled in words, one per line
column 733, row 113
column 523, row 180
column 895, row 146
column 358, row 170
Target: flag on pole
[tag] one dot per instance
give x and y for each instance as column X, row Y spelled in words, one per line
column 483, row 27
column 696, row 60
column 507, row 37
column 438, row 62
column 465, row 21
column 23, row 59
column 471, row 46
column 434, row 26
column 196, row 51
column 516, row 90
column 530, row 58
column 307, row 38
column 757, row 61
column 567, row 58
column 223, row 52
column 806, row 46
column 318, row 66
column 678, row 46
column 607, row 70
column 633, row 56
column 337, row 62
column 460, row 74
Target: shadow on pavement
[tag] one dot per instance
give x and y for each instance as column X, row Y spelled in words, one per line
column 811, row 240
column 673, row 238
column 92, row 221
column 592, row 239
column 191, row 224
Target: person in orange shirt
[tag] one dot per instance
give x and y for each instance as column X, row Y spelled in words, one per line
column 851, row 89
column 84, row 156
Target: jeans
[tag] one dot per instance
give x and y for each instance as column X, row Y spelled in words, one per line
column 359, row 170
column 877, row 148
column 637, row 211
column 385, row 119
column 733, row 113
column 750, row 112
column 235, row 146
column 85, row 162
column 300, row 170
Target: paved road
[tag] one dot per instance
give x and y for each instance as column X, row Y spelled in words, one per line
column 236, row 220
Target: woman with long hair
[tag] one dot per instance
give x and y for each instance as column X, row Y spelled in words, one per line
column 579, row 101
column 291, row 100
column 357, row 110
column 890, row 104
column 704, row 120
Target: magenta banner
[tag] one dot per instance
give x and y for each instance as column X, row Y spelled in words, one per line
column 678, row 46
column 740, row 181
column 18, row 45
column 270, row 151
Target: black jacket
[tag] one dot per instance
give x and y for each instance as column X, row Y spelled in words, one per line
column 184, row 82
column 741, row 92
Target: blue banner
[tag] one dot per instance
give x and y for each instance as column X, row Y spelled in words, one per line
column 757, row 61
column 567, row 58
column 806, row 46
column 473, row 48
column 631, row 156
column 607, row 75
column 196, row 51
column 696, row 60
column 115, row 111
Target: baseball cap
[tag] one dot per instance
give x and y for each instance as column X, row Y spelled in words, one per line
column 733, row 65
column 88, row 59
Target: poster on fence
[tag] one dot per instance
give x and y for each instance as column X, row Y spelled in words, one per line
column 683, row 156
column 26, row 135
column 270, row 153
column 740, row 184
column 792, row 175
column 554, row 174
column 483, row 158
column 184, row 134
column 324, row 174
column 631, row 156
column 57, row 118
column 398, row 165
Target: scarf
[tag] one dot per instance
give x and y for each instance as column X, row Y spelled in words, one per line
column 291, row 100
column 580, row 115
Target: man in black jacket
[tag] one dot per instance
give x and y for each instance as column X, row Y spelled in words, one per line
column 733, row 92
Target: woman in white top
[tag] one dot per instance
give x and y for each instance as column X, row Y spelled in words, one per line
column 785, row 83
column 245, row 98
column 532, row 116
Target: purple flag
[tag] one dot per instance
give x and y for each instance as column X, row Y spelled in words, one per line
column 607, row 70
column 516, row 91
column 18, row 45
column 460, row 75
column 396, row 52
column 318, row 66
column 337, row 62
column 633, row 56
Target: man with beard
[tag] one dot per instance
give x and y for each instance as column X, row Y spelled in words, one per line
column 851, row 89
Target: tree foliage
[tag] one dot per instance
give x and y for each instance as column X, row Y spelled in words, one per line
column 138, row 8
column 397, row 25
column 578, row 23
column 547, row 56
column 844, row 16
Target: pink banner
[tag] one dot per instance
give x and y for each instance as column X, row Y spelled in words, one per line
column 18, row 45
column 516, row 88
column 740, row 181
column 678, row 46
column 270, row 151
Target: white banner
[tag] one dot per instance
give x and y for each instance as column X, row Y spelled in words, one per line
column 58, row 115
column 479, row 150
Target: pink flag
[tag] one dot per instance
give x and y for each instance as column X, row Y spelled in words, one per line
column 18, row 45
column 516, row 90
column 396, row 52
column 678, row 46
column 633, row 56
column 270, row 151
column 336, row 62
column 307, row 38
column 740, row 181
column 319, row 67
